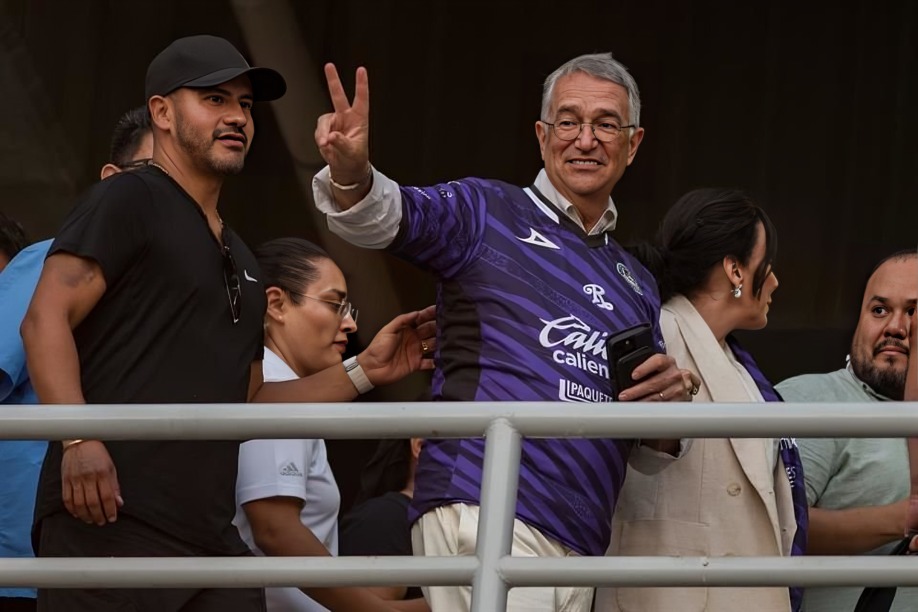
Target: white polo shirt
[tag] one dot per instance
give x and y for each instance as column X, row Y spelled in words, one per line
column 288, row 468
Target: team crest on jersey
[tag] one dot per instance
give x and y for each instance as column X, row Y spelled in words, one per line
column 626, row 274
column 597, row 292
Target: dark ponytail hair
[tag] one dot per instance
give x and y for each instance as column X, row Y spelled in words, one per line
column 289, row 264
column 701, row 228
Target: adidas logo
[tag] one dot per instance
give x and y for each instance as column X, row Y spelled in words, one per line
column 537, row 239
column 291, row 470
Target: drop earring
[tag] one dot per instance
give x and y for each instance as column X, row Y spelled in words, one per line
column 738, row 291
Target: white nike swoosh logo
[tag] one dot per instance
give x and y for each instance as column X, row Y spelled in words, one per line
column 537, row 239
column 245, row 273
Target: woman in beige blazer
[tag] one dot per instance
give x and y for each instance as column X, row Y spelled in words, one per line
column 725, row 497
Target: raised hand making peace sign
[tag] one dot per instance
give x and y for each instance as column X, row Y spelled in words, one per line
column 343, row 136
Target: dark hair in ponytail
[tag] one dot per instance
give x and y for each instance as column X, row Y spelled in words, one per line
column 289, row 264
column 701, row 228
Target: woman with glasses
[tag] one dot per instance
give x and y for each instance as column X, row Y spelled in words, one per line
column 725, row 497
column 286, row 494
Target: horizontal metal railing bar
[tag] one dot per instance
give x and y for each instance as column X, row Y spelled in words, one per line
column 204, row 572
column 710, row 571
column 456, row 419
column 98, row 572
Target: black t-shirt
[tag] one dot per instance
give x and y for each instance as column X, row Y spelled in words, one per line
column 378, row 527
column 163, row 332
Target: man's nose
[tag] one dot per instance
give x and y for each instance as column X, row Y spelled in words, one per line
column 897, row 326
column 586, row 139
column 235, row 115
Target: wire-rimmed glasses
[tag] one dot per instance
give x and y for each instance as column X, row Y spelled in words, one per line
column 604, row 131
column 343, row 308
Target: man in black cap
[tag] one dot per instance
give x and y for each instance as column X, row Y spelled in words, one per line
column 147, row 297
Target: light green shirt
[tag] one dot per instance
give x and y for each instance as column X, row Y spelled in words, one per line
column 849, row 472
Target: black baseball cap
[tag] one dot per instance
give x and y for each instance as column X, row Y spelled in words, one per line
column 205, row 61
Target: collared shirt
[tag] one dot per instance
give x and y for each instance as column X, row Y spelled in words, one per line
column 606, row 221
column 849, row 473
column 298, row 469
column 525, row 301
column 374, row 221
column 839, row 386
column 864, row 386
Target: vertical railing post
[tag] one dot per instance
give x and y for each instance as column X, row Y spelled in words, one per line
column 498, row 509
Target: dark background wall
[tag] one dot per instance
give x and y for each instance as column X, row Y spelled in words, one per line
column 811, row 107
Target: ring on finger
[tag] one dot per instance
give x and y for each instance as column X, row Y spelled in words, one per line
column 425, row 347
column 660, row 393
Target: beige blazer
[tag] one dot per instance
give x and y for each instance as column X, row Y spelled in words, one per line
column 720, row 499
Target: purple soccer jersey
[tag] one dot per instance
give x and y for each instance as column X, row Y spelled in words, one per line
column 525, row 302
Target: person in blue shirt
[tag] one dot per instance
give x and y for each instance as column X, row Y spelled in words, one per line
column 20, row 460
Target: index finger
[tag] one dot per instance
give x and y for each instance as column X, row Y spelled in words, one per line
column 336, row 89
column 658, row 362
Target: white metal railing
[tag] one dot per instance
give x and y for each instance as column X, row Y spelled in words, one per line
column 492, row 571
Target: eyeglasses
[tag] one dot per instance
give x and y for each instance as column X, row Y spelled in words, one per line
column 604, row 131
column 231, row 278
column 342, row 308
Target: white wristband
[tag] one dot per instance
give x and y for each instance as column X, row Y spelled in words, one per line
column 357, row 375
column 351, row 186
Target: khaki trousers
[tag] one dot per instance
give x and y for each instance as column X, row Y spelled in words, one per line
column 452, row 531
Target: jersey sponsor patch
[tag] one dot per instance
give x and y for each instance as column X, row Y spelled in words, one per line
column 574, row 343
column 570, row 391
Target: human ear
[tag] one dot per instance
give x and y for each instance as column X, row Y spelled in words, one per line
column 160, row 111
column 277, row 303
column 109, row 170
column 732, row 270
column 634, row 142
column 542, row 135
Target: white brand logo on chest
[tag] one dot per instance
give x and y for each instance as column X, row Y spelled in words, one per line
column 537, row 239
column 583, row 347
column 597, row 292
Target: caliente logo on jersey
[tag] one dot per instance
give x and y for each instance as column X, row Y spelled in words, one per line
column 575, row 344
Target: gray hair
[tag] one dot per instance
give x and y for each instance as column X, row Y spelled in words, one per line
column 599, row 65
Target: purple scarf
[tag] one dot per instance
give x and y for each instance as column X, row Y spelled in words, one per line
column 789, row 455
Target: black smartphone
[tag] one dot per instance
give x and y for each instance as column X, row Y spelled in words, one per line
column 625, row 351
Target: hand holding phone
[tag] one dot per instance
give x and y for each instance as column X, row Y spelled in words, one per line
column 625, row 351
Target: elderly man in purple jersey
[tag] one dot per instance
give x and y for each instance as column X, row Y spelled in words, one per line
column 531, row 283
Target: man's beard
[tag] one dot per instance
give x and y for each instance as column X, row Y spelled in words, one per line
column 882, row 378
column 200, row 149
